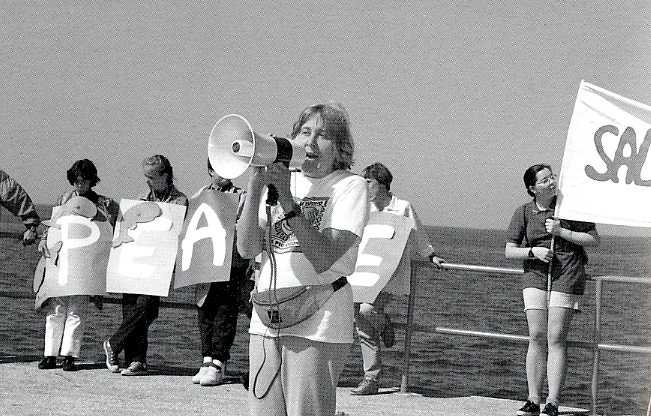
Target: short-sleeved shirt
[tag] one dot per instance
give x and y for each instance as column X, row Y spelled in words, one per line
column 338, row 201
column 527, row 228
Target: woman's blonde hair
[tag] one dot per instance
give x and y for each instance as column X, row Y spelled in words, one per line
column 337, row 128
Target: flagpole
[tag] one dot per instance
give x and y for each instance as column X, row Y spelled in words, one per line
column 549, row 273
column 551, row 261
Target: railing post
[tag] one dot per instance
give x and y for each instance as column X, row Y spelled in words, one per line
column 404, row 382
column 596, row 339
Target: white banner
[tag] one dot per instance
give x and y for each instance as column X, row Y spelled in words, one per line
column 383, row 243
column 78, row 250
column 144, row 247
column 605, row 177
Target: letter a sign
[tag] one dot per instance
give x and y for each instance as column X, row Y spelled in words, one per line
column 206, row 242
column 606, row 172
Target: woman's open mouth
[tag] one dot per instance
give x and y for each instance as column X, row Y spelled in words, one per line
column 311, row 155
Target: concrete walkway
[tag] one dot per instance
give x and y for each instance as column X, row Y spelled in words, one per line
column 26, row 390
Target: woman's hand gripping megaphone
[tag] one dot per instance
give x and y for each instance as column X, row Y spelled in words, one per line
column 277, row 177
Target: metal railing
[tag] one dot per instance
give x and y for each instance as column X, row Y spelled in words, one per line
column 595, row 345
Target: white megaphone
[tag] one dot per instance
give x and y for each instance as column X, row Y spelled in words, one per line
column 233, row 146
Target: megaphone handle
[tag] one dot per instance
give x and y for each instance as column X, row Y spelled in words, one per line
column 272, row 195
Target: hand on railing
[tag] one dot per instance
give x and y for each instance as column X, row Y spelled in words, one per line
column 436, row 260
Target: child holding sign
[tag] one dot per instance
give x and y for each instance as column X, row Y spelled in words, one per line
column 217, row 302
column 139, row 310
column 64, row 323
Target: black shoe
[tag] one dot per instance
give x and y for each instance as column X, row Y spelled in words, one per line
column 48, row 363
column 244, row 378
column 550, row 410
column 69, row 364
column 529, row 409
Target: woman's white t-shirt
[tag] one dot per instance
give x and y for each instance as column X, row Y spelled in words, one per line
column 338, row 201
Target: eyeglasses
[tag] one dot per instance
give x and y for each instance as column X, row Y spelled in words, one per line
column 547, row 180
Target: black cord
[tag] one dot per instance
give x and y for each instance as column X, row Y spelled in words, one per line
column 272, row 286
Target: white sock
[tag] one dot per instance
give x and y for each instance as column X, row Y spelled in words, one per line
column 219, row 364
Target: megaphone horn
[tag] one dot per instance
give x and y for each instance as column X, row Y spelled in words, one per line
column 233, row 146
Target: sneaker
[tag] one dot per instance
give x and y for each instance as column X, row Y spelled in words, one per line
column 112, row 362
column 550, row 409
column 366, row 388
column 196, row 379
column 529, row 409
column 47, row 363
column 213, row 376
column 69, row 364
column 388, row 333
column 136, row 368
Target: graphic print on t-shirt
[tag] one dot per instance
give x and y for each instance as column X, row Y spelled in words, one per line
column 283, row 239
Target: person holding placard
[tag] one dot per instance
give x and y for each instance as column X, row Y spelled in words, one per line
column 302, row 324
column 14, row 198
column 549, row 311
column 140, row 311
column 218, row 302
column 372, row 324
column 66, row 316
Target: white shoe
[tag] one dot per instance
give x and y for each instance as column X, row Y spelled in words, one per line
column 196, row 379
column 213, row 376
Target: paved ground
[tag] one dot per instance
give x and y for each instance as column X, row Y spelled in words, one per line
column 26, row 390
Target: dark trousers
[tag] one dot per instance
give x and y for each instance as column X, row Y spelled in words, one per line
column 217, row 319
column 138, row 312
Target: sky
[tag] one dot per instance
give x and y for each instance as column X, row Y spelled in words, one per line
column 456, row 99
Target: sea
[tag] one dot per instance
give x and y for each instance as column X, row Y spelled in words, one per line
column 441, row 365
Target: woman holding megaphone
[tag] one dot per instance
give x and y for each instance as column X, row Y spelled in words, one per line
column 302, row 324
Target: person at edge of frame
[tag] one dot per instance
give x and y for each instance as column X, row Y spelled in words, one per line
column 16, row 200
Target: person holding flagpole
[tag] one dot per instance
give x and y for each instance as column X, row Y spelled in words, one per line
column 529, row 237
